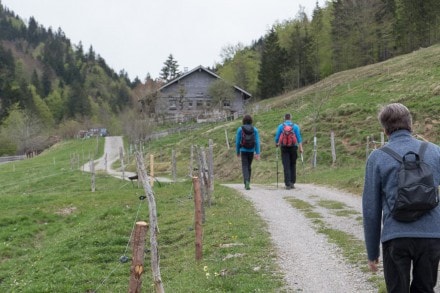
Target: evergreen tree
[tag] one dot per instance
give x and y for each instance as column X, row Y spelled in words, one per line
column 78, row 103
column 170, row 70
column 321, row 51
column 91, row 55
column 46, row 84
column 7, row 73
column 386, row 23
column 417, row 23
column 32, row 31
column 270, row 82
column 300, row 70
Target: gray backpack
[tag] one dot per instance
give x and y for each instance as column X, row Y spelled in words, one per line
column 416, row 191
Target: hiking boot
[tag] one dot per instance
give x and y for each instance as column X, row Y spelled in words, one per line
column 247, row 185
column 288, row 187
column 292, row 186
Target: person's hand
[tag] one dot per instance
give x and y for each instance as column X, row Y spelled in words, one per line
column 257, row 156
column 238, row 155
column 372, row 264
column 276, row 145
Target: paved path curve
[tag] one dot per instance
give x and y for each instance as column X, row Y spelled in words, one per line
column 111, row 155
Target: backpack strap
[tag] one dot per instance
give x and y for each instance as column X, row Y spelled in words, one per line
column 422, row 149
column 396, row 156
column 392, row 153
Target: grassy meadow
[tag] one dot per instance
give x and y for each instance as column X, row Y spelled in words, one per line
column 58, row 236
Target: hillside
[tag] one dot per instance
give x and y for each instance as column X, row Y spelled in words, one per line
column 346, row 103
column 49, row 86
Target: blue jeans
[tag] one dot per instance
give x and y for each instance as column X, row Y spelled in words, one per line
column 398, row 256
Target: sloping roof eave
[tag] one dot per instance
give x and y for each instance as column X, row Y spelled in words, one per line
column 200, row 67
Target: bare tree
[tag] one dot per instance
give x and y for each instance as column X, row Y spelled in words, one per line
column 25, row 130
column 136, row 127
column 220, row 91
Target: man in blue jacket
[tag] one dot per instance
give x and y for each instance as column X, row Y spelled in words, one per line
column 404, row 244
column 247, row 149
column 289, row 154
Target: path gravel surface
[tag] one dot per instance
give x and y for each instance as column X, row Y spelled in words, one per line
column 311, row 264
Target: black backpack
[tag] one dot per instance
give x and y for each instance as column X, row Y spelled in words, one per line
column 416, row 191
column 247, row 136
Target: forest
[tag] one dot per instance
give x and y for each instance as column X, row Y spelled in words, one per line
column 344, row 34
column 51, row 87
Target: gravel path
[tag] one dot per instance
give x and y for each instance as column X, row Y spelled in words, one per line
column 311, row 264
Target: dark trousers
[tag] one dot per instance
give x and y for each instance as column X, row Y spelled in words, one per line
column 398, row 256
column 246, row 163
column 289, row 156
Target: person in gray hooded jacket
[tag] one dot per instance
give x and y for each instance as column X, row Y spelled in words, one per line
column 404, row 244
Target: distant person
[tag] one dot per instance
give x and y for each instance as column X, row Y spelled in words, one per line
column 247, row 145
column 288, row 138
column 411, row 250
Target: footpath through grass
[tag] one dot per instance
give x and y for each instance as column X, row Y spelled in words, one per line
column 58, row 236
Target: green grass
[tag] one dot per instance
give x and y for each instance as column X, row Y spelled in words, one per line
column 58, row 236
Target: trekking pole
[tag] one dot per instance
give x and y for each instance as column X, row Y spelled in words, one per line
column 302, row 161
column 276, row 151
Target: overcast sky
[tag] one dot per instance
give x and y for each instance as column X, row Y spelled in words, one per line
column 138, row 35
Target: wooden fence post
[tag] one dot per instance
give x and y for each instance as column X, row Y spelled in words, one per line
column 174, row 168
column 332, row 143
column 151, row 170
column 121, row 158
column 211, row 166
column 191, row 161
column 315, row 151
column 367, row 149
column 202, row 181
column 92, row 171
column 152, row 211
column 198, row 218
column 137, row 262
column 227, row 140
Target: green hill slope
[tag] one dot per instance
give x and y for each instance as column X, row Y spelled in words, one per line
column 345, row 103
